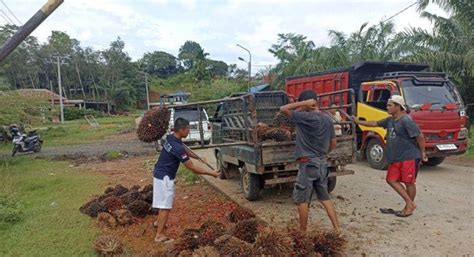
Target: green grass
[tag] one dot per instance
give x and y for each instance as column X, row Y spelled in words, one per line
column 48, row 195
column 189, row 176
column 80, row 132
column 215, row 89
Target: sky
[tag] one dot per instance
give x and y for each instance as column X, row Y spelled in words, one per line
column 164, row 25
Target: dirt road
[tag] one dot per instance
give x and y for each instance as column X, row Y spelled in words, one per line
column 443, row 224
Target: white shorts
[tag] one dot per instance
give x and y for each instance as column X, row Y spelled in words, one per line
column 163, row 193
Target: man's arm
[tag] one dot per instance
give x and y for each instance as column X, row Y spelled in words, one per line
column 286, row 109
column 190, row 153
column 365, row 123
column 199, row 170
column 420, row 139
column 332, row 144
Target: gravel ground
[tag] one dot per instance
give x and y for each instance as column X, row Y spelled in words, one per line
column 442, row 225
column 132, row 147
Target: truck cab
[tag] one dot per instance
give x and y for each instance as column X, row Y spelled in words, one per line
column 433, row 100
column 433, row 103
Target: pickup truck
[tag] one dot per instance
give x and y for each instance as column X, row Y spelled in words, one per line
column 264, row 164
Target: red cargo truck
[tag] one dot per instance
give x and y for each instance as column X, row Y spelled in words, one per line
column 433, row 100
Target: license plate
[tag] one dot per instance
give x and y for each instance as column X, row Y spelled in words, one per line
column 446, row 147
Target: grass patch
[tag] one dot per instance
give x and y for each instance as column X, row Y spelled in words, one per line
column 113, row 155
column 42, row 211
column 188, row 176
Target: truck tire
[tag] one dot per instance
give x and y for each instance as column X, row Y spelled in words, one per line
column 434, row 161
column 251, row 183
column 375, row 154
column 220, row 166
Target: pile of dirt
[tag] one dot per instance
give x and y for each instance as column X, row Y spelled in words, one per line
column 154, row 124
column 240, row 214
column 108, row 246
column 122, row 204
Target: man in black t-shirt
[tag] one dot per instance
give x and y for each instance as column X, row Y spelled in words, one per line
column 172, row 154
column 315, row 138
column 404, row 150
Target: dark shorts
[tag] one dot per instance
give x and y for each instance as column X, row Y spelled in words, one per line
column 404, row 171
column 312, row 175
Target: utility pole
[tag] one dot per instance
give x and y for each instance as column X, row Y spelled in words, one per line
column 60, row 91
column 147, row 95
column 28, row 27
column 52, row 92
column 250, row 66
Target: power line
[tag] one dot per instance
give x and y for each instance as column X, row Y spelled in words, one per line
column 10, row 11
column 398, row 13
column 6, row 16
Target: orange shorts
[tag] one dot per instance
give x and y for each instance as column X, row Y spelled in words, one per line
column 404, row 171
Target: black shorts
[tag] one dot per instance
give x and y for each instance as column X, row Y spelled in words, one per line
column 312, row 175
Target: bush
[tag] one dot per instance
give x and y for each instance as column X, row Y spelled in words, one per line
column 76, row 114
column 10, row 209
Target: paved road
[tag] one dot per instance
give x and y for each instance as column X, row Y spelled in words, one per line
column 443, row 224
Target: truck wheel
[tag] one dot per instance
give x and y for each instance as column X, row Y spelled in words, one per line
column 375, row 154
column 220, row 166
column 434, row 161
column 251, row 184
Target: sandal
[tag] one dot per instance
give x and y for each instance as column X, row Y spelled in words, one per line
column 402, row 214
column 388, row 211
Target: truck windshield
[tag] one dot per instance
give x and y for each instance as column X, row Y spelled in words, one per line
column 189, row 114
column 436, row 94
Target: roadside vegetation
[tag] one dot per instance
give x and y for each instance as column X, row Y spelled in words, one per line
column 39, row 208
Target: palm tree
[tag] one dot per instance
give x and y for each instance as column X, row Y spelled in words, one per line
column 449, row 47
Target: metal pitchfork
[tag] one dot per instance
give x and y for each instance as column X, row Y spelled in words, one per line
column 199, row 158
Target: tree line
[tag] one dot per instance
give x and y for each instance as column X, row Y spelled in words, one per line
column 110, row 74
column 448, row 47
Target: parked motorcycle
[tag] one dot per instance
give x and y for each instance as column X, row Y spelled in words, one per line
column 24, row 143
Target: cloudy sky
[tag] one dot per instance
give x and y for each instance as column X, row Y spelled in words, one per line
column 149, row 25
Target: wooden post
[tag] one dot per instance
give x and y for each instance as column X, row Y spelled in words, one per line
column 28, row 27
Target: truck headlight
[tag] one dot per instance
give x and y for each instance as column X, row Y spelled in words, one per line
column 463, row 133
